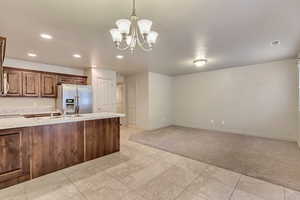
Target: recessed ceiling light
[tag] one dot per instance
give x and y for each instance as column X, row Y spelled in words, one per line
column 200, row 62
column 32, row 55
column 120, row 56
column 275, row 43
column 46, row 36
column 77, row 56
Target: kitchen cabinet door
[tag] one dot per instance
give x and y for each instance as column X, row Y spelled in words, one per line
column 80, row 81
column 14, row 156
column 65, row 79
column 48, row 85
column 72, row 80
column 55, row 147
column 102, row 137
column 14, row 80
column 31, row 84
column 112, row 135
column 95, row 135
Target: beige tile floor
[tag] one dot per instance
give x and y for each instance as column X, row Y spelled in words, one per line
column 140, row 172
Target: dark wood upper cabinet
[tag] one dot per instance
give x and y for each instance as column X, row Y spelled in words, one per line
column 31, row 84
column 64, row 79
column 14, row 80
column 80, row 80
column 48, row 85
column 14, row 156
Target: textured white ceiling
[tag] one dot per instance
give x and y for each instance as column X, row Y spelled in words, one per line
column 227, row 33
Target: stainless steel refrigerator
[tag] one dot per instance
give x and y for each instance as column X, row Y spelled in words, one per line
column 74, row 99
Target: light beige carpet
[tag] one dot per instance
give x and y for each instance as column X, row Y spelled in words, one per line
column 274, row 161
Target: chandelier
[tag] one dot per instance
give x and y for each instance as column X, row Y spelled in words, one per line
column 132, row 32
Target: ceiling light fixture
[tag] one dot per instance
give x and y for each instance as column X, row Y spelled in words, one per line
column 46, row 36
column 132, row 32
column 200, row 62
column 275, row 43
column 77, row 56
column 120, row 57
column 32, row 55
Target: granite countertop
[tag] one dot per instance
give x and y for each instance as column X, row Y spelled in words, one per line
column 19, row 122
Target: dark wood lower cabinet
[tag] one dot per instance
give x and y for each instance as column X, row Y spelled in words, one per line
column 14, row 156
column 55, row 147
column 112, row 136
column 102, row 137
column 28, row 153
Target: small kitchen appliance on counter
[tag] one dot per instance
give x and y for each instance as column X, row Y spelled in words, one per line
column 74, row 99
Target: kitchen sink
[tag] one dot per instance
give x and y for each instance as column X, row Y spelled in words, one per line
column 73, row 116
column 43, row 115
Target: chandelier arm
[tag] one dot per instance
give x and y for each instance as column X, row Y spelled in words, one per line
column 145, row 48
column 141, row 44
column 140, row 37
column 123, row 49
column 126, row 47
column 133, row 36
column 144, row 43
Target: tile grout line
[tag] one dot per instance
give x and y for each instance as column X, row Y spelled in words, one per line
column 129, row 189
column 284, row 194
column 235, row 187
column 185, row 189
column 83, row 195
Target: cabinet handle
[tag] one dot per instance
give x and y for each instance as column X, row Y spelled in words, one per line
column 7, row 87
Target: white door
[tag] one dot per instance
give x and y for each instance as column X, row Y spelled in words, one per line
column 105, row 95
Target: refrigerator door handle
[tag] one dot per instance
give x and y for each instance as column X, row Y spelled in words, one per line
column 77, row 107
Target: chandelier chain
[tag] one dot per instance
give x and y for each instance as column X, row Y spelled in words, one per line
column 133, row 5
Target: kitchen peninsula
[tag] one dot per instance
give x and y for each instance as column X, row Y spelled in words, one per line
column 32, row 147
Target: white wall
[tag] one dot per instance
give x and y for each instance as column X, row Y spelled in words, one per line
column 149, row 100
column 256, row 100
column 12, row 105
column 142, row 100
column 298, row 99
column 130, row 83
column 104, row 96
column 137, row 95
column 160, row 100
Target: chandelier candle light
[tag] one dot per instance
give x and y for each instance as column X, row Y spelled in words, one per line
column 134, row 32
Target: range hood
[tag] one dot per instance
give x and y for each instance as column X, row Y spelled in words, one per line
column 3, row 77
